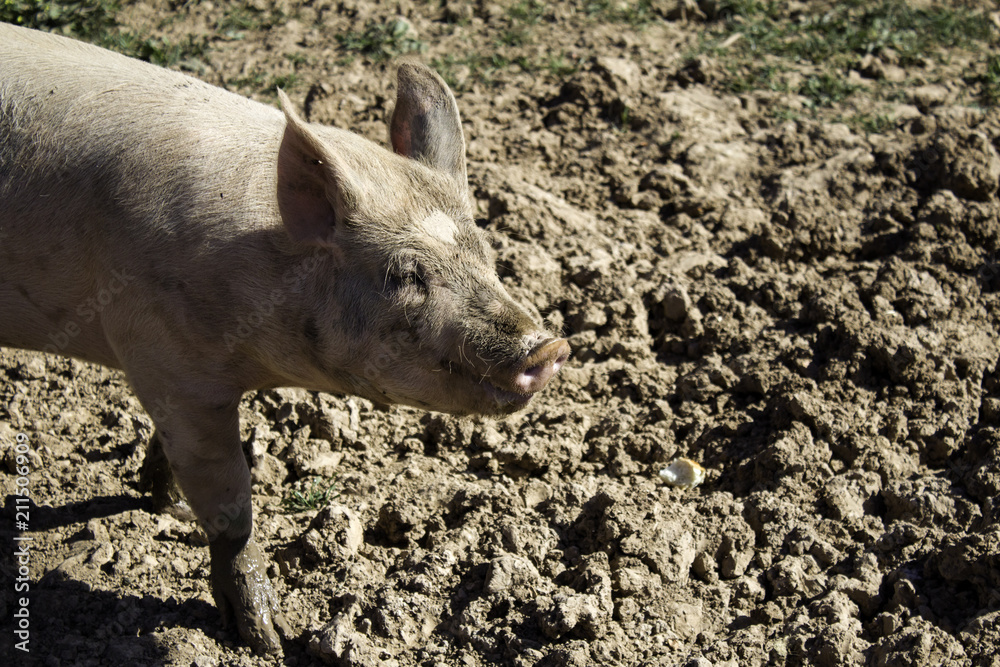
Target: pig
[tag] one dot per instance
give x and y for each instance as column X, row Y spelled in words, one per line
column 208, row 245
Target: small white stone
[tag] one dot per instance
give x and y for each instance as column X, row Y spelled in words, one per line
column 683, row 472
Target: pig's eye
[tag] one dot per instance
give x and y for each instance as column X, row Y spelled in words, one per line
column 408, row 277
column 413, row 279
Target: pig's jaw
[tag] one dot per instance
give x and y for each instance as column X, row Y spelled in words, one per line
column 506, row 402
column 454, row 387
column 471, row 395
column 472, row 398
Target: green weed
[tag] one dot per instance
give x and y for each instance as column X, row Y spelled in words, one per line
column 560, row 67
column 515, row 36
column 308, row 498
column 284, row 81
column 255, row 79
column 297, row 59
column 624, row 120
column 784, row 114
column 446, row 68
column 482, row 68
column 260, row 81
column 236, row 20
column 744, row 79
column 523, row 15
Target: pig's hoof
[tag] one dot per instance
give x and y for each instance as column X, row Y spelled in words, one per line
column 243, row 593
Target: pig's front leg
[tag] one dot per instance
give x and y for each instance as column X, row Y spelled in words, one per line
column 200, row 438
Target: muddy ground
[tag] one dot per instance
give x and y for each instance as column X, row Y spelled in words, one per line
column 803, row 302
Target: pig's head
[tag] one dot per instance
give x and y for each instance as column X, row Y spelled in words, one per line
column 410, row 309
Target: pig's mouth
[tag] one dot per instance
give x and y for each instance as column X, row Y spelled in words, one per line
column 506, row 401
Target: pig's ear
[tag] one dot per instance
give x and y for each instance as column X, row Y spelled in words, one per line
column 315, row 191
column 425, row 124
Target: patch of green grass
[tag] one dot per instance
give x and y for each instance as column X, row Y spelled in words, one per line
column 484, row 64
column 95, row 22
column 161, row 52
column 255, row 79
column 623, row 122
column 523, row 15
column 89, row 21
column 446, row 68
column 852, row 28
column 514, row 36
column 308, row 498
column 297, row 59
column 283, row 81
column 482, row 68
column 755, row 39
column 381, row 41
column 785, row 114
column 236, row 21
column 727, row 9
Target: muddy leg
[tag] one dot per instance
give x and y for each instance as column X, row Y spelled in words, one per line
column 200, row 439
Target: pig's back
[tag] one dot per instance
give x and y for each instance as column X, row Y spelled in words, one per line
column 67, row 72
column 76, row 104
column 107, row 165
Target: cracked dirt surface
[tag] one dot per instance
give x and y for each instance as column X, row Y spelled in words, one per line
column 808, row 310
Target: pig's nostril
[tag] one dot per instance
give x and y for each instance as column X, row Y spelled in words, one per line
column 561, row 359
column 534, row 378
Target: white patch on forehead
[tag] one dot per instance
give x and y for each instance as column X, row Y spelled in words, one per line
column 439, row 227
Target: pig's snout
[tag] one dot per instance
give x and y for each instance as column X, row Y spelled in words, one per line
column 512, row 388
column 539, row 366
